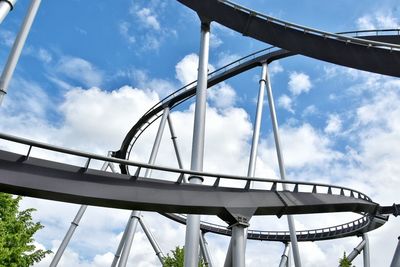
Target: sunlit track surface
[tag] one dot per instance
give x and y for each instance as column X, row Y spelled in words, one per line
column 368, row 55
column 22, row 174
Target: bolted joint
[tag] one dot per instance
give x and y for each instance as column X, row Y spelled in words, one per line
column 240, row 221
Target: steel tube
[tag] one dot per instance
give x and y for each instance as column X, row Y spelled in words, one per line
column 238, row 245
column 366, row 253
column 117, row 254
column 228, row 257
column 204, row 250
column 133, row 220
column 285, row 256
column 153, row 241
column 135, row 215
column 257, row 124
column 72, row 228
column 292, row 228
column 5, row 8
column 357, row 250
column 396, row 256
column 175, row 143
column 193, row 221
column 16, row 49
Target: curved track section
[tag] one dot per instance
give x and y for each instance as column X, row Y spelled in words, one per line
column 24, row 175
column 239, row 66
column 354, row 228
column 368, row 55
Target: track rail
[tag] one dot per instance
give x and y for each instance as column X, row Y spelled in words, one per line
column 241, row 65
column 356, row 227
column 369, row 55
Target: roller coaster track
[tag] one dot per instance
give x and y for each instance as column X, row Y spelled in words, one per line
column 25, row 175
column 241, row 65
column 369, row 55
column 357, row 227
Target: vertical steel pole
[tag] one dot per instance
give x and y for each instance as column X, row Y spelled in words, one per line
column 135, row 215
column 175, row 143
column 204, row 250
column 5, row 8
column 396, row 256
column 285, row 256
column 292, row 228
column 366, row 255
column 16, row 49
column 72, row 228
column 238, row 245
column 193, row 221
column 153, row 241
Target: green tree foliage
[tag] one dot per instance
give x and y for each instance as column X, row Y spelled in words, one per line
column 177, row 258
column 344, row 262
column 16, row 234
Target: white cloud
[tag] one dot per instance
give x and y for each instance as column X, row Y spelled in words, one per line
column 379, row 20
column 299, row 83
column 7, row 37
column 226, row 58
column 149, row 19
column 186, row 69
column 215, row 41
column 285, row 102
column 222, row 96
column 80, row 70
column 333, row 124
column 123, row 28
column 44, row 55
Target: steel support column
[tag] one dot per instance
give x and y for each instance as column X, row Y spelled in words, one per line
column 121, row 244
column 292, row 228
column 356, row 251
column 366, row 254
column 73, row 226
column 153, row 241
column 285, row 256
column 136, row 214
column 238, row 242
column 204, row 250
column 193, row 221
column 16, row 49
column 396, row 256
column 5, row 8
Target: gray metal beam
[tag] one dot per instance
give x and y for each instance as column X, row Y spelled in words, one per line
column 193, row 221
column 204, row 250
column 17, row 47
column 57, row 181
column 156, row 247
column 292, row 228
column 285, row 256
column 136, row 214
column 396, row 257
column 370, row 56
column 356, row 251
column 366, row 253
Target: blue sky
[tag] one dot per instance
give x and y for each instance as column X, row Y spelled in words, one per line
column 90, row 69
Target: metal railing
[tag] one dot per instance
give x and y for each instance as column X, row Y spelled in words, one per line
column 215, row 179
column 346, row 39
column 331, row 232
